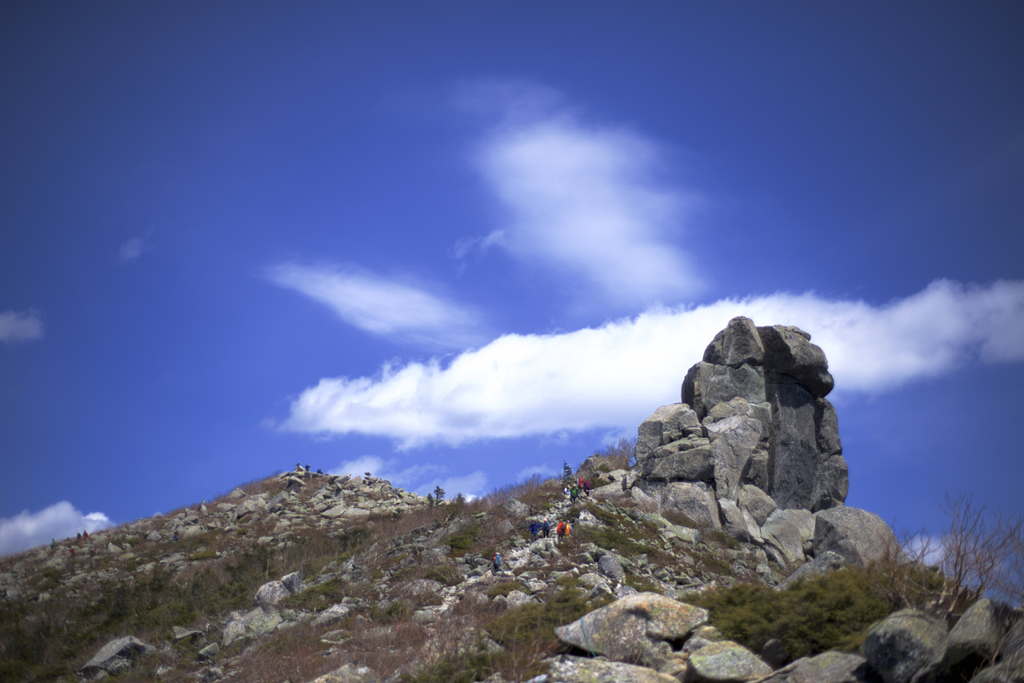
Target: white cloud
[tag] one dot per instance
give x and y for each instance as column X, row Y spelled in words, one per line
column 583, row 200
column 615, row 375
column 132, row 249
column 15, row 327
column 384, row 307
column 59, row 521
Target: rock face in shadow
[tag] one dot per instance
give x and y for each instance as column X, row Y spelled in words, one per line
column 754, row 413
column 755, row 432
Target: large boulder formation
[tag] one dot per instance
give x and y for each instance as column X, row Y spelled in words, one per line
column 784, row 379
column 753, row 418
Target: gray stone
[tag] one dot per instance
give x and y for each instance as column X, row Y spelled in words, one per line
column 292, row 582
column 667, row 424
column 733, row 441
column 724, row 662
column 857, row 535
column 738, row 523
column 789, row 352
column 270, row 593
column 610, row 566
column 332, row 614
column 695, row 500
column 787, row 530
column 902, row 643
column 630, row 629
column 739, row 343
column 758, row 503
column 570, row 669
column 828, row 667
column 208, row 653
column 822, row 564
column 254, row 623
column 707, row 385
column 977, row 638
column 116, row 657
column 694, row 464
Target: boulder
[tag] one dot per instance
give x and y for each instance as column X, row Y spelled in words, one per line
column 695, row 500
column 759, row 397
column 667, row 424
column 254, row 623
column 115, row 657
column 902, row 643
column 822, row 564
column 570, row 669
column 857, row 535
column 758, row 503
column 724, row 662
column 828, row 667
column 738, row 344
column 787, row 531
column 739, row 523
column 610, row 566
column 977, row 638
column 270, row 593
column 632, row 629
column 706, row 385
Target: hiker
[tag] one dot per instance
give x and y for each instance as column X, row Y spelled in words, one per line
column 534, row 528
column 53, row 543
column 78, row 536
column 586, row 487
column 565, row 490
column 546, row 527
column 319, row 472
column 574, row 493
column 72, row 552
column 175, row 536
column 560, row 532
column 496, row 560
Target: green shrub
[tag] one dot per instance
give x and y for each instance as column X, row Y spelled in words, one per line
column 830, row 612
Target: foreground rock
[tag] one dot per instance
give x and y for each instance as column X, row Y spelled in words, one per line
column 828, row 667
column 903, row 643
column 639, row 628
column 724, row 662
column 115, row 657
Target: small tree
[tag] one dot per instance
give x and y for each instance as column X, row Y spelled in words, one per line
column 430, row 500
column 978, row 554
column 566, row 472
column 438, row 493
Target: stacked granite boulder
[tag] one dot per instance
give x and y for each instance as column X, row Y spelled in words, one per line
column 754, row 446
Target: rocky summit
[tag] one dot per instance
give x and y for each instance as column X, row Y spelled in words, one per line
column 719, row 551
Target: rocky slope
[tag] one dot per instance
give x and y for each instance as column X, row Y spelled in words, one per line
column 734, row 503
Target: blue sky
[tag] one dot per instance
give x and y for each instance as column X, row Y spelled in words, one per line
column 458, row 243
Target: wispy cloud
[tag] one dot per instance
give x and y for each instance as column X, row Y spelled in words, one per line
column 16, row 327
column 59, row 521
column 386, row 307
column 583, row 200
column 132, row 249
column 614, row 375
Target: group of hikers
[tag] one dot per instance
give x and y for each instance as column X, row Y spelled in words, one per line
column 563, row 530
column 576, row 489
column 307, row 471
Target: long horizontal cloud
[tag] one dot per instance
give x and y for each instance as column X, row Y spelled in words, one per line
column 380, row 306
column 59, row 521
column 583, row 200
column 15, row 326
column 612, row 376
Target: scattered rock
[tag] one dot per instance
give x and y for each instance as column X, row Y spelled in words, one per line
column 115, row 657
